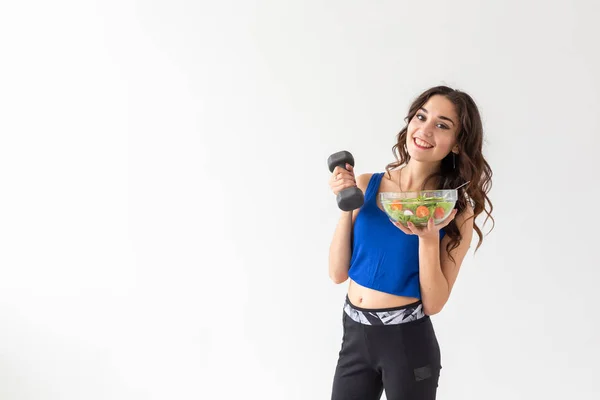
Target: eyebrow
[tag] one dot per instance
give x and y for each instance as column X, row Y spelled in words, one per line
column 441, row 116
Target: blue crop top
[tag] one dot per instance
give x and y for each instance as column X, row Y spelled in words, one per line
column 383, row 257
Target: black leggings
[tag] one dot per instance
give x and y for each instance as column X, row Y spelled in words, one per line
column 402, row 358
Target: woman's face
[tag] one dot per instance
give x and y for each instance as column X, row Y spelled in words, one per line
column 432, row 132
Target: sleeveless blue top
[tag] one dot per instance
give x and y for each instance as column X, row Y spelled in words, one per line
column 383, row 257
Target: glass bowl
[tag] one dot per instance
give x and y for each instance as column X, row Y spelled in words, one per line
column 418, row 207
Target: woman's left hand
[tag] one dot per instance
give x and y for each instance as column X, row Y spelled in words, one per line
column 431, row 230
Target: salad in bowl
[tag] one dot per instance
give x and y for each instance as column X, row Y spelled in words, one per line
column 419, row 207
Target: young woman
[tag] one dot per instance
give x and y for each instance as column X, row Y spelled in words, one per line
column 400, row 276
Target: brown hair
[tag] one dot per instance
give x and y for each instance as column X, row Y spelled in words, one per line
column 456, row 169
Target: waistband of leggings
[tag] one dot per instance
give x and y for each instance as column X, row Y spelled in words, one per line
column 385, row 316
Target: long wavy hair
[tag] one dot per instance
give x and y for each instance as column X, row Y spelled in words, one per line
column 456, row 169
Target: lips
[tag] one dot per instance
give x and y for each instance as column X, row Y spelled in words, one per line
column 422, row 144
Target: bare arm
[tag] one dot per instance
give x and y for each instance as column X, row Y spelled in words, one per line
column 340, row 250
column 437, row 272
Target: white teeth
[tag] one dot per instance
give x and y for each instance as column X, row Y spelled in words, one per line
column 422, row 143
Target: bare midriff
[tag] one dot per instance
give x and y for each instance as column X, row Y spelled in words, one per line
column 364, row 297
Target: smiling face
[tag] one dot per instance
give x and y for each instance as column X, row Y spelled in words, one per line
column 432, row 132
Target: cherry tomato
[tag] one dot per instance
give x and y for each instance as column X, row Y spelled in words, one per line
column 439, row 213
column 396, row 206
column 422, row 211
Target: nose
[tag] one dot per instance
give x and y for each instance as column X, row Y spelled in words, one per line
column 428, row 127
column 427, row 131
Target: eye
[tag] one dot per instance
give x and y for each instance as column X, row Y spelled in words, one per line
column 422, row 117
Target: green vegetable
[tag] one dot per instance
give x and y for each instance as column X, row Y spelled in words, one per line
column 432, row 203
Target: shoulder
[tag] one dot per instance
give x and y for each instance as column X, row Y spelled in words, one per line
column 466, row 213
column 464, row 219
column 362, row 181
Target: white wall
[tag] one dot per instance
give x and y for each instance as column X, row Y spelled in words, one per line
column 165, row 216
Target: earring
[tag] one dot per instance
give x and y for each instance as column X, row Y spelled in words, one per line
column 453, row 160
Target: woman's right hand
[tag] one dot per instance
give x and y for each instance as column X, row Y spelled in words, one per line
column 342, row 179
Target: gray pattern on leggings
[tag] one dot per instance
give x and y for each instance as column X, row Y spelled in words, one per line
column 392, row 317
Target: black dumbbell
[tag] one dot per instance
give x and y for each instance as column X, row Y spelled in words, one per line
column 350, row 198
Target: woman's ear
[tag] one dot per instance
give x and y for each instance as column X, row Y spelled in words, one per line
column 455, row 149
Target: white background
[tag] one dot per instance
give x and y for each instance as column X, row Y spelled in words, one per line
column 165, row 216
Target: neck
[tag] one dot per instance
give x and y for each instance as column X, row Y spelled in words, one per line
column 414, row 174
